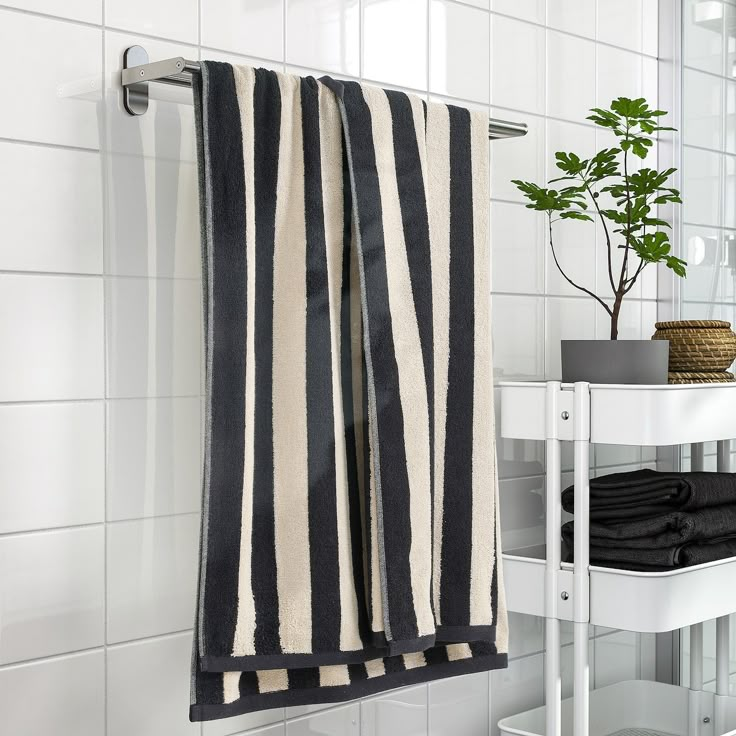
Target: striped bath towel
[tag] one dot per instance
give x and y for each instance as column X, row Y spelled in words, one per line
column 349, row 526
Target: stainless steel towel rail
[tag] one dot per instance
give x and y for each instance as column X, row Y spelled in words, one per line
column 138, row 72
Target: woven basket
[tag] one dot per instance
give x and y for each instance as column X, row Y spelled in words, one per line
column 700, row 377
column 698, row 345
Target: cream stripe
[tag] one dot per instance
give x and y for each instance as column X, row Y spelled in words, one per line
column 270, row 681
column 458, row 651
column 412, row 383
column 330, row 128
column 291, row 507
column 414, row 660
column 482, row 554
column 438, row 205
column 375, row 668
column 417, row 111
column 230, row 686
column 334, row 675
column 243, row 642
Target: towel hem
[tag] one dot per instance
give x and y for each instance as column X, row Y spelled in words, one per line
column 341, row 693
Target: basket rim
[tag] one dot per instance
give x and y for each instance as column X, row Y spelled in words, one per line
column 691, row 324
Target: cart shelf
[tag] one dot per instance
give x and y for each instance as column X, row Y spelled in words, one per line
column 651, row 602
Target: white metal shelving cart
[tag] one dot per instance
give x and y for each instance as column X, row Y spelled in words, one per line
column 543, row 585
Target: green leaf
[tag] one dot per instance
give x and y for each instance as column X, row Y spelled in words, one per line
column 573, row 215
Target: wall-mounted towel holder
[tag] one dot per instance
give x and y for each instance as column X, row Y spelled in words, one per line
column 138, row 72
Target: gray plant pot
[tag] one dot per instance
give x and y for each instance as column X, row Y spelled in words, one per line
column 615, row 361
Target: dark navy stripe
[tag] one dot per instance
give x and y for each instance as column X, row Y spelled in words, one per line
column 357, row 672
column 390, row 420
column 302, row 678
column 458, row 480
column 394, row 664
column 248, row 684
column 413, row 203
column 267, row 127
column 227, row 337
column 323, row 552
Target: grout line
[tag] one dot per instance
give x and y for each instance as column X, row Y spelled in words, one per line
column 52, row 657
column 94, row 400
column 107, row 276
column 43, row 144
column 105, row 170
column 149, row 638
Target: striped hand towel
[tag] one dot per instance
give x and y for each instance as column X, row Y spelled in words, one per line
column 350, row 526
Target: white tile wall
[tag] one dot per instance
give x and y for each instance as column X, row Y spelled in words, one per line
column 100, row 380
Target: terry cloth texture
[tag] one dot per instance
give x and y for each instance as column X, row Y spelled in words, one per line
column 646, row 520
column 350, row 534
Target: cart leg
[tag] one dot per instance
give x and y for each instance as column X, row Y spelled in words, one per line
column 696, row 678
column 723, row 624
column 552, row 676
column 581, row 579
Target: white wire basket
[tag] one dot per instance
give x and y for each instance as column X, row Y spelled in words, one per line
column 639, row 708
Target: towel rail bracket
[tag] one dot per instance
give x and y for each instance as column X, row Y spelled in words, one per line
column 138, row 72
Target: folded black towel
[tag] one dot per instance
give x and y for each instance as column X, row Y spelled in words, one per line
column 662, row 560
column 660, row 532
column 645, row 493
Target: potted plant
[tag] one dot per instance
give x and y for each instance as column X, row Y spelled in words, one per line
column 623, row 198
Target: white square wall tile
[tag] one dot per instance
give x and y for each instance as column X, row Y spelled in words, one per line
column 58, row 59
column 401, row 711
column 517, row 65
column 52, row 338
column 162, row 239
column 459, row 705
column 175, row 19
column 153, row 458
column 324, row 35
column 522, row 525
column 153, row 333
column 63, row 696
column 702, row 187
column 616, row 658
column 342, row 721
column 51, row 209
column 619, row 75
column 51, row 593
column 151, row 576
column 247, row 28
column 241, row 724
column 53, row 468
column 516, row 689
column 518, row 337
column 517, row 236
column 154, row 677
column 620, row 23
column 531, row 10
column 570, row 76
column 572, row 16
column 89, row 11
column 459, row 51
column 703, row 35
column 703, row 113
column 395, row 42
column 518, row 158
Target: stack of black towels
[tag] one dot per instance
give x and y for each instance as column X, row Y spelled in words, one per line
column 651, row 521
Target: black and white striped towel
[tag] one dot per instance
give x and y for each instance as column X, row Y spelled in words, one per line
column 350, row 526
